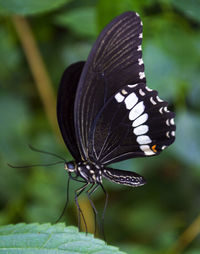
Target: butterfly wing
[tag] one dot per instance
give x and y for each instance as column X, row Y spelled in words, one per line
column 123, row 177
column 116, row 115
column 134, row 122
column 114, row 61
column 65, row 106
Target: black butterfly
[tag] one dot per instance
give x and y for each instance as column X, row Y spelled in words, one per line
column 105, row 111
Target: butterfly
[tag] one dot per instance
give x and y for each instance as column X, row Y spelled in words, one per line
column 107, row 113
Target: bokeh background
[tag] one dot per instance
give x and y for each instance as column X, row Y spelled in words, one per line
column 35, row 48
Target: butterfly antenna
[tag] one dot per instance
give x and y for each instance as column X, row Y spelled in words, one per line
column 35, row 165
column 49, row 153
column 66, row 203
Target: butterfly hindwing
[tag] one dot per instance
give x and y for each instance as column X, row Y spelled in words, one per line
column 65, row 106
column 134, row 122
column 123, row 177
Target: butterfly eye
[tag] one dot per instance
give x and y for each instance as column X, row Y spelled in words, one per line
column 70, row 166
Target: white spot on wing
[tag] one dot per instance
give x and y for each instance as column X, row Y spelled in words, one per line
column 141, row 92
column 136, row 111
column 166, row 109
column 143, row 139
column 140, row 120
column 137, row 14
column 160, row 110
column 172, row 121
column 152, row 101
column 158, row 99
column 131, row 100
column 140, row 35
column 139, row 48
column 131, row 86
column 163, row 147
column 147, row 150
column 142, row 129
column 148, row 89
column 140, row 61
column 142, row 75
column 119, row 98
column 173, row 133
column 167, row 122
column 167, row 134
column 124, row 91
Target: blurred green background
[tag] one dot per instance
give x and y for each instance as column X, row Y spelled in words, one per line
column 163, row 215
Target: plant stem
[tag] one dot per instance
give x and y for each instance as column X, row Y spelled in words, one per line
column 38, row 69
column 186, row 237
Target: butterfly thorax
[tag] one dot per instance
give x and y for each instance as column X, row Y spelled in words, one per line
column 90, row 172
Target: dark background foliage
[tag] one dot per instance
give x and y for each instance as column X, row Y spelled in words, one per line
column 163, row 215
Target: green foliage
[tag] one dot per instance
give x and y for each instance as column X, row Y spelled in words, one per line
column 189, row 8
column 191, row 124
column 107, row 8
column 35, row 238
column 142, row 220
column 73, row 19
column 27, row 7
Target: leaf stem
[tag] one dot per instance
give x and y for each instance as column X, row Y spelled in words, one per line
column 186, row 237
column 38, row 69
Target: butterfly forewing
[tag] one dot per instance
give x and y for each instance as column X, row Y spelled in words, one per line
column 115, row 116
column 115, row 60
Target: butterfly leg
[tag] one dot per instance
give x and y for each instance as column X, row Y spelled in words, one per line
column 89, row 193
column 75, row 178
column 104, row 210
column 80, row 213
column 67, row 200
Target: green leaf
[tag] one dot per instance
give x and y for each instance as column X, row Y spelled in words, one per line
column 34, row 238
column 190, row 8
column 107, row 10
column 10, row 55
column 26, row 7
column 160, row 70
column 110, row 9
column 82, row 21
column 187, row 144
column 15, row 124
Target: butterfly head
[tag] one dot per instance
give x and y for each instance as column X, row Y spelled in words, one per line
column 71, row 166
